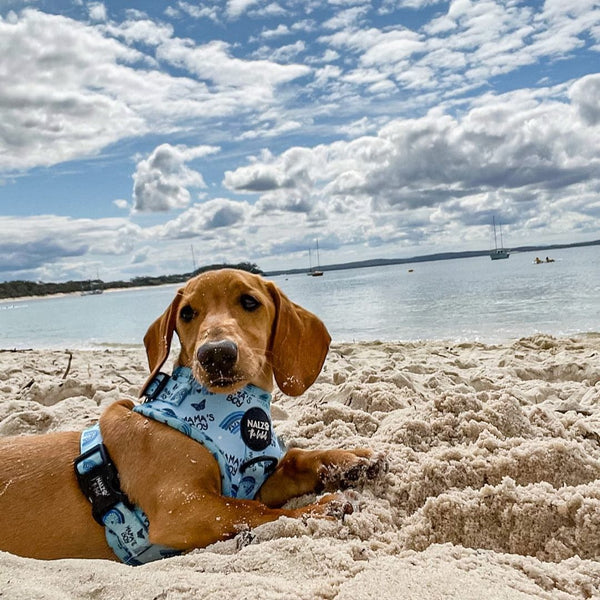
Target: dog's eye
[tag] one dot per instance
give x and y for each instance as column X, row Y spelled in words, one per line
column 249, row 303
column 187, row 313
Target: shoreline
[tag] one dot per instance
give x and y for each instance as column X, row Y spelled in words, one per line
column 367, row 264
column 458, row 341
column 76, row 294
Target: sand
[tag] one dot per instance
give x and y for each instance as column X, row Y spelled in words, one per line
column 493, row 488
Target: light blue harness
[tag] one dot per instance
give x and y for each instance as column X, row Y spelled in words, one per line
column 236, row 428
column 125, row 526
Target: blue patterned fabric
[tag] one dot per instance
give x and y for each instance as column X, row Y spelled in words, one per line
column 126, row 527
column 236, row 428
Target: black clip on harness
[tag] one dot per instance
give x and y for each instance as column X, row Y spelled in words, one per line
column 99, row 481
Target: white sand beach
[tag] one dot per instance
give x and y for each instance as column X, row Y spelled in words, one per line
column 493, row 488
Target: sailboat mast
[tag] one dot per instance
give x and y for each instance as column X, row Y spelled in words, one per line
column 318, row 260
column 495, row 239
column 193, row 257
column 497, row 253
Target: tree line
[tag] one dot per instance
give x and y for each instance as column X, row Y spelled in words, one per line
column 19, row 288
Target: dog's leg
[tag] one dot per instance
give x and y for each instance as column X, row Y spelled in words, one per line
column 304, row 471
column 177, row 482
column 216, row 518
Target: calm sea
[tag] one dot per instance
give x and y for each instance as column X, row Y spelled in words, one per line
column 465, row 299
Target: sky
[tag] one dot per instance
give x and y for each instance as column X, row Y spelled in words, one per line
column 145, row 138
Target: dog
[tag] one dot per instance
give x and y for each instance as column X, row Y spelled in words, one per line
column 236, row 329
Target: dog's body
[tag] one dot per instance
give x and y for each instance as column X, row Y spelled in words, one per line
column 235, row 329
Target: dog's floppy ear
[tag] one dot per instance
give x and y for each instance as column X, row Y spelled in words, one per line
column 299, row 345
column 159, row 335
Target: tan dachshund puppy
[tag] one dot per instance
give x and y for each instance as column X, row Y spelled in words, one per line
column 235, row 328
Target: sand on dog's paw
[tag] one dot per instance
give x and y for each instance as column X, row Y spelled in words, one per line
column 364, row 470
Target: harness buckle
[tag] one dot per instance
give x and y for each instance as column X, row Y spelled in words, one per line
column 156, row 386
column 99, row 481
column 269, row 467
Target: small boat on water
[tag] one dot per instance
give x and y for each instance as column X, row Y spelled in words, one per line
column 316, row 272
column 92, row 289
column 498, row 252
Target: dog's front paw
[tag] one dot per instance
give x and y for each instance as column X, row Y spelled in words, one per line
column 339, row 508
column 332, row 506
column 366, row 470
column 245, row 538
column 352, row 468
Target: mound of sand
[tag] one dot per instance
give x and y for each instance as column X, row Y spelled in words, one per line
column 493, row 488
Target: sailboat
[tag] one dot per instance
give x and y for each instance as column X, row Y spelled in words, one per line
column 314, row 272
column 92, row 290
column 498, row 252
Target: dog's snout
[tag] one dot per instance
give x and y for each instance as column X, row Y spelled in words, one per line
column 217, row 356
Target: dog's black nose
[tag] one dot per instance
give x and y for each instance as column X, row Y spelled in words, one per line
column 218, row 356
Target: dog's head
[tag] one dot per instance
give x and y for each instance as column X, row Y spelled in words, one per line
column 236, row 328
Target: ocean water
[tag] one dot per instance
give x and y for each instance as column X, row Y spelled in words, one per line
column 463, row 299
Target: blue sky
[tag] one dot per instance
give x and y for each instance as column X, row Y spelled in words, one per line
column 131, row 132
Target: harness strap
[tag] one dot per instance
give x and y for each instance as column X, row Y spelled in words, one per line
column 99, row 480
column 125, row 526
column 235, row 428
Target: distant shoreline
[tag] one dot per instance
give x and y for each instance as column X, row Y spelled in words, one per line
column 376, row 262
column 383, row 262
column 66, row 294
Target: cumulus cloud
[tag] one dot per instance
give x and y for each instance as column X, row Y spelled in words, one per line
column 379, row 47
column 46, row 102
column 346, row 18
column 70, row 89
column 38, row 244
column 288, row 201
column 287, row 53
column 214, row 62
column 97, row 11
column 279, row 31
column 236, row 8
column 161, row 181
column 196, row 11
column 140, row 30
column 255, row 178
column 205, row 220
column 121, row 203
column 489, row 159
column 585, row 95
